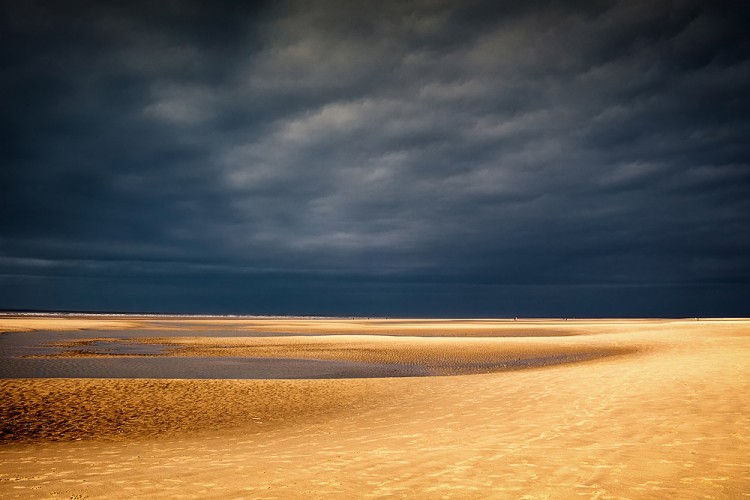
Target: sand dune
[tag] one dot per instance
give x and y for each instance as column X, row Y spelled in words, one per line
column 669, row 418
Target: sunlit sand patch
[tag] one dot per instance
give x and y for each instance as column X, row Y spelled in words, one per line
column 331, row 326
column 28, row 324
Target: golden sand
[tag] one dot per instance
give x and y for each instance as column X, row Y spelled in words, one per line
column 33, row 323
column 667, row 416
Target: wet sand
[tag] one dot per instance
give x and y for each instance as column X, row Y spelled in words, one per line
column 649, row 409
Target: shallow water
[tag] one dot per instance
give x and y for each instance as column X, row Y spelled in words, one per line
column 41, row 343
column 199, row 368
column 144, row 360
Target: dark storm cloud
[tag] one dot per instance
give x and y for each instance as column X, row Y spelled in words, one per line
column 341, row 157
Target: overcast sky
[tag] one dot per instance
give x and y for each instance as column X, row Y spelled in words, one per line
column 439, row 158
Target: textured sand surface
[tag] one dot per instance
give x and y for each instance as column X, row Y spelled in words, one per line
column 29, row 323
column 669, row 418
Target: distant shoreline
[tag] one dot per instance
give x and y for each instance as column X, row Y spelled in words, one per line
column 63, row 314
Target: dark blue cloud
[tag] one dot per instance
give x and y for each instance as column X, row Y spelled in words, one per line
column 479, row 158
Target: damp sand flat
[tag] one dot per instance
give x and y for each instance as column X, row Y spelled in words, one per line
column 282, row 348
column 670, row 418
column 126, row 354
column 142, row 353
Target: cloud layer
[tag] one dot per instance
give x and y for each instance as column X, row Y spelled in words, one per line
column 352, row 157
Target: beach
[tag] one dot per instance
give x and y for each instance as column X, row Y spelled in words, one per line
column 370, row 408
